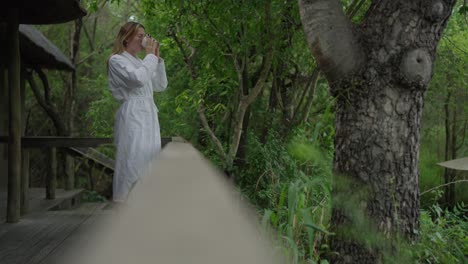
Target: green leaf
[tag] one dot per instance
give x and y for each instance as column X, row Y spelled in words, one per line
column 318, row 228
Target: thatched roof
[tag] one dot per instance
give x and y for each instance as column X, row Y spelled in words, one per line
column 44, row 11
column 457, row 164
column 37, row 51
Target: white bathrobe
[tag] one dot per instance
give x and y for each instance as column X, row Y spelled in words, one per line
column 136, row 130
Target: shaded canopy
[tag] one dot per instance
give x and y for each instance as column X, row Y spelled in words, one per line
column 457, row 164
column 38, row 51
column 44, row 11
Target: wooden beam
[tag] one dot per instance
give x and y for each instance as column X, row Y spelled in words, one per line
column 69, row 142
column 60, row 142
column 14, row 142
column 94, row 155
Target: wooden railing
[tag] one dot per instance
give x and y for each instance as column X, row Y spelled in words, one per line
column 50, row 146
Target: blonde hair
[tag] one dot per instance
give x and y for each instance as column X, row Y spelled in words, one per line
column 126, row 32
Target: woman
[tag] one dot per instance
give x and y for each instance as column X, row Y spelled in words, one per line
column 132, row 82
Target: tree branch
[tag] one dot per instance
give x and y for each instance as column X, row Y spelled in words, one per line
column 45, row 102
column 219, row 146
column 266, row 65
column 426, row 191
column 330, row 37
column 246, row 100
column 45, row 84
column 91, row 44
column 188, row 59
column 98, row 51
column 463, row 138
column 309, row 86
column 312, row 84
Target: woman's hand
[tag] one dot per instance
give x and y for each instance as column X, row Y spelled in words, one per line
column 157, row 49
column 151, row 46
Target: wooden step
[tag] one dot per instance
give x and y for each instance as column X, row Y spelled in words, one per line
column 38, row 203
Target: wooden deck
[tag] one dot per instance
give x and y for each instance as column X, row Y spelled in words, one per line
column 45, row 237
column 183, row 211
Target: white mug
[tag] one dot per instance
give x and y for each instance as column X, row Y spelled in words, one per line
column 144, row 41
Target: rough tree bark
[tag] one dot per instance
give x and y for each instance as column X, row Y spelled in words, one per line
column 378, row 72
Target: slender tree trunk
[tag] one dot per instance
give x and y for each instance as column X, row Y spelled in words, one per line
column 272, row 103
column 447, row 171
column 453, row 150
column 239, row 160
column 70, row 107
column 378, row 72
column 450, row 149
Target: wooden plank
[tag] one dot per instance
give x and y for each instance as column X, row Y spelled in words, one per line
column 103, row 160
column 66, row 250
column 95, row 156
column 14, row 142
column 38, row 235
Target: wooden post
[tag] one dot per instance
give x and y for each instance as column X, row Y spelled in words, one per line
column 14, row 142
column 25, row 153
column 51, row 179
column 25, row 183
column 90, row 175
column 69, row 172
column 4, row 124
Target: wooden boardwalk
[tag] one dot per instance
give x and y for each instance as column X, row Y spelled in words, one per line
column 43, row 237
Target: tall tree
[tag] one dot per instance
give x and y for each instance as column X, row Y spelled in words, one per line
column 378, row 72
column 235, row 53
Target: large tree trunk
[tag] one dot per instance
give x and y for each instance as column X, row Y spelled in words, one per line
column 378, row 72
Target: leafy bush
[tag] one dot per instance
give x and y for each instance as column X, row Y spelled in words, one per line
column 443, row 236
column 92, row 197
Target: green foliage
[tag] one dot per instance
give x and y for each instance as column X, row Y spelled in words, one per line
column 92, row 197
column 448, row 91
column 291, row 182
column 443, row 236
